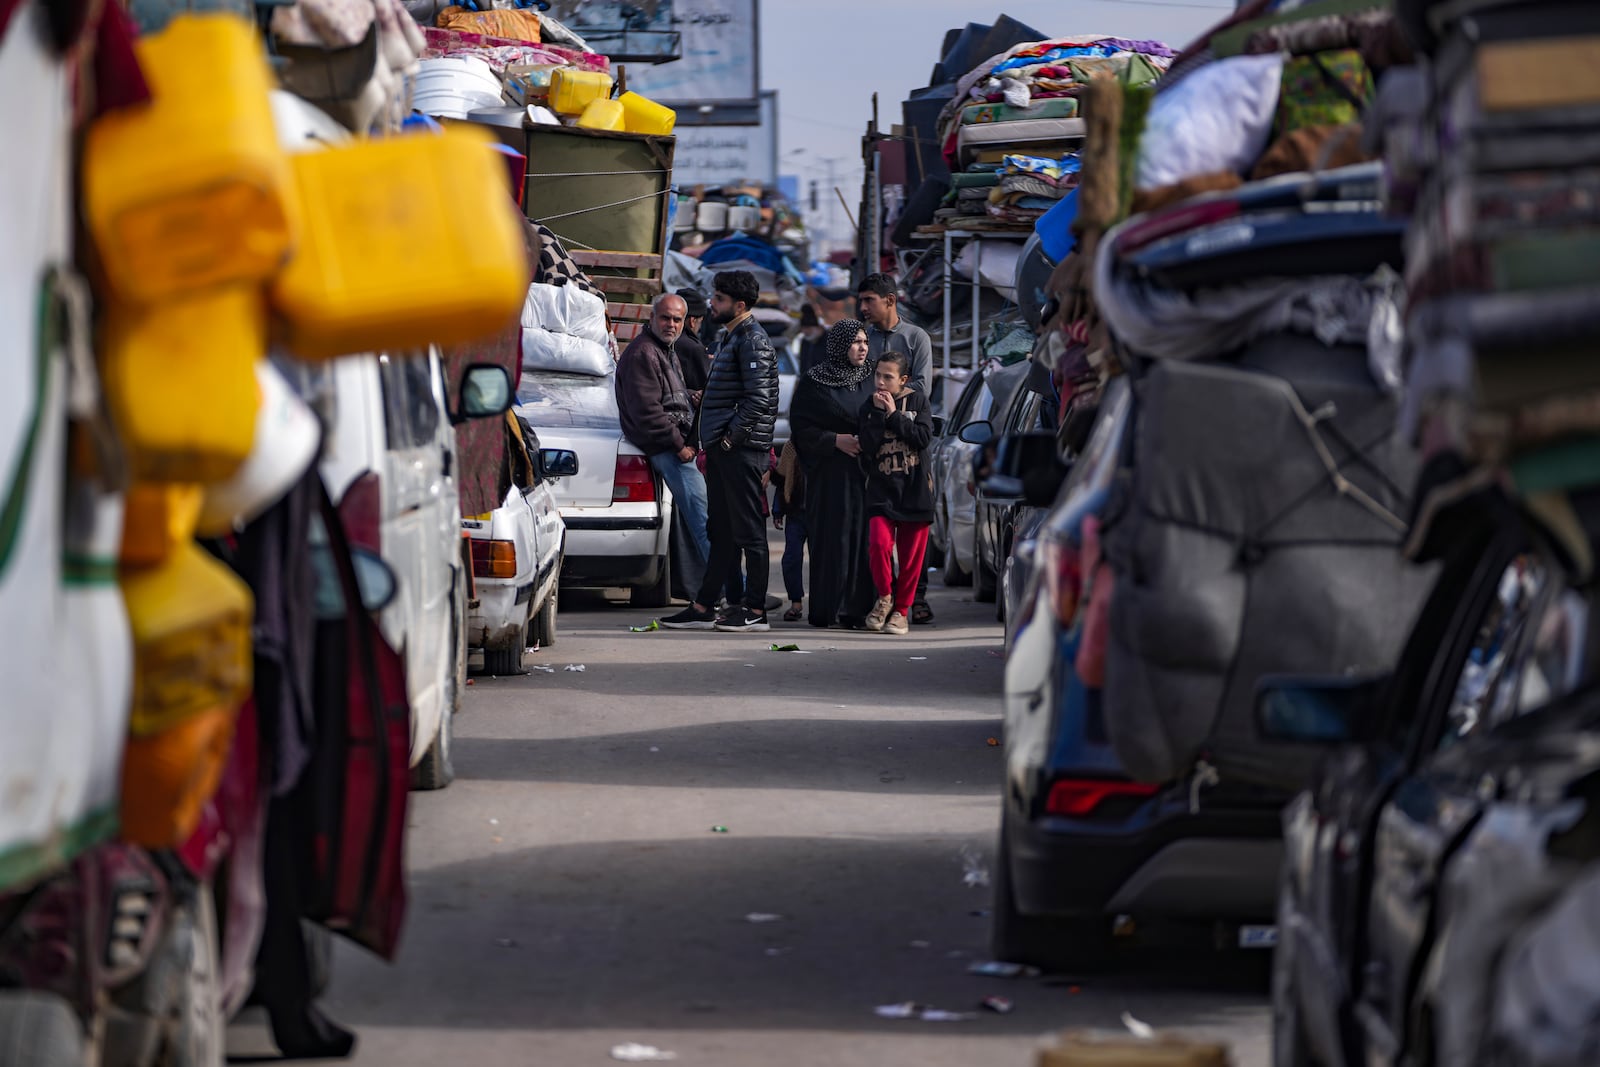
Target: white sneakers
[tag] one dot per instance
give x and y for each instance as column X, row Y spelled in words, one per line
column 897, row 624
column 879, row 613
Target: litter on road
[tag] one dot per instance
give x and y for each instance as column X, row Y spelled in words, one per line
column 1002, row 969
column 762, row 917
column 910, row 1010
column 785, row 648
column 633, row 1052
column 576, row 668
column 975, row 874
column 544, row 668
column 1142, row 1030
column 714, row 829
column 998, row 1005
column 655, row 624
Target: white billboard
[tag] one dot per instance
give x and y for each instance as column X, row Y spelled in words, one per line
column 729, row 155
column 721, row 56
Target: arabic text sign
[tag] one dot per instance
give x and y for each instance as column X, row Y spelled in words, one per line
column 726, row 155
column 720, row 56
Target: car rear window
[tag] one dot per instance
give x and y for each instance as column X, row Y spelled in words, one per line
column 567, row 400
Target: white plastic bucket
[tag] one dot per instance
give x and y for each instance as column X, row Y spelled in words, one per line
column 683, row 218
column 454, row 88
column 743, row 219
column 712, row 216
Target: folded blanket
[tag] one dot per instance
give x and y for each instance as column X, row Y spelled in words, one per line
column 1055, row 108
column 975, row 180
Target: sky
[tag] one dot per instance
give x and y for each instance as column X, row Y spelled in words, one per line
column 827, row 57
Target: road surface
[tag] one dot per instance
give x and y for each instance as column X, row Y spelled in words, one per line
column 569, row 893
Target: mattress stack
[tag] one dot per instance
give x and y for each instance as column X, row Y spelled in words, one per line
column 1013, row 131
column 1500, row 171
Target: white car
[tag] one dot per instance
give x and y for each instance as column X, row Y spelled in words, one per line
column 955, row 507
column 516, row 566
column 617, row 513
column 387, row 461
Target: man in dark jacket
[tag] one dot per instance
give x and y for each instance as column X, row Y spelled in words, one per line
column 658, row 417
column 692, row 355
column 736, row 417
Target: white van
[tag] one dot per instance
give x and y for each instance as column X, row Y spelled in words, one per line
column 389, row 462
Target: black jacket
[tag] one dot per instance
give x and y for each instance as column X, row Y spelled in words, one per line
column 694, row 360
column 651, row 397
column 741, row 398
column 894, row 451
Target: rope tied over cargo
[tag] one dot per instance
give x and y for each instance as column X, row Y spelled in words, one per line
column 604, row 207
column 1310, row 421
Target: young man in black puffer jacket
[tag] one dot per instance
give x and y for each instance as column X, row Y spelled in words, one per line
column 736, row 416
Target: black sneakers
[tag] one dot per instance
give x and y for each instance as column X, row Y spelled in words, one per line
column 690, row 619
column 740, row 620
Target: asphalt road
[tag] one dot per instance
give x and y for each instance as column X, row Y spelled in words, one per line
column 569, row 893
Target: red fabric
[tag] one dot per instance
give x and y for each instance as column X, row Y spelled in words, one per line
column 118, row 80
column 7, row 9
column 1091, row 660
column 910, row 541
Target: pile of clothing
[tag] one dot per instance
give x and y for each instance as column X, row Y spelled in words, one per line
column 1011, row 131
column 1494, row 150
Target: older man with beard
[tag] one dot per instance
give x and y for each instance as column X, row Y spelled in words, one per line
column 658, row 417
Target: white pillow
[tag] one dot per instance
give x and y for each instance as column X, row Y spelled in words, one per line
column 1216, row 119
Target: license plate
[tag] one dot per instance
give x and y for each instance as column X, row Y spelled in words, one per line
column 1258, row 936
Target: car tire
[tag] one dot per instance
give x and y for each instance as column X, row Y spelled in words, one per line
column 504, row 663
column 1051, row 943
column 658, row 594
column 985, row 585
column 319, row 957
column 171, row 1012
column 544, row 623
column 39, row 1028
column 954, row 575
column 437, row 769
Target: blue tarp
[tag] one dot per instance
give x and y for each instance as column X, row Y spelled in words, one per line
column 1054, row 228
column 753, row 249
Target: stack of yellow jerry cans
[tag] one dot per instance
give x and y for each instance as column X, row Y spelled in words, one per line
column 213, row 244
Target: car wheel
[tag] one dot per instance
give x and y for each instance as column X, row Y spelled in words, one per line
column 505, row 662
column 436, row 769
column 544, row 624
column 1052, row 943
column 955, row 576
column 1290, row 1046
column 984, row 583
column 319, row 957
column 658, row 594
column 39, row 1028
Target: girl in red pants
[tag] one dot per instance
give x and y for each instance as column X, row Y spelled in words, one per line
column 896, row 426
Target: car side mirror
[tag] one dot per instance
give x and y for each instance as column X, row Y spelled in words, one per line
column 1027, row 469
column 938, row 425
column 375, row 581
column 977, row 433
column 485, row 391
column 1316, row 711
column 558, row 462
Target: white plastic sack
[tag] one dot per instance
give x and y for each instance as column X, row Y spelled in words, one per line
column 999, row 267
column 1216, row 119
column 545, row 350
column 565, row 309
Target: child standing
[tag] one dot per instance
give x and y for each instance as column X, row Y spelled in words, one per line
column 896, row 426
column 788, row 507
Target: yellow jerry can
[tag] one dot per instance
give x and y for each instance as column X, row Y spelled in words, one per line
column 191, row 621
column 602, row 114
column 191, row 189
column 168, row 777
column 572, row 90
column 640, row 114
column 181, row 384
column 390, row 258
column 157, row 517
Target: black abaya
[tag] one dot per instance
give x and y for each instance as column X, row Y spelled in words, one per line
column 836, row 505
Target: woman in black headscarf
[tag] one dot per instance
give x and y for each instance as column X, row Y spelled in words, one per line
column 823, row 417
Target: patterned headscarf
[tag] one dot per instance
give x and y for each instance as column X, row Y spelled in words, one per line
column 837, row 371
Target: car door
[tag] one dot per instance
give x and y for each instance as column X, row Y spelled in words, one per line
column 1497, row 665
column 421, row 521
column 1328, row 829
column 540, row 499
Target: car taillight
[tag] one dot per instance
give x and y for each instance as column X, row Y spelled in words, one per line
column 635, row 482
column 494, row 559
column 1081, row 796
column 361, row 511
column 1061, row 572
